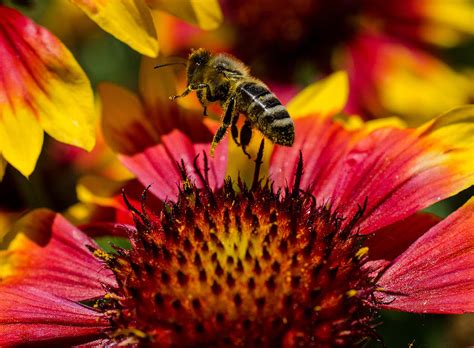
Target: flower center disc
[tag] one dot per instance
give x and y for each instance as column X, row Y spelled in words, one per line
column 241, row 268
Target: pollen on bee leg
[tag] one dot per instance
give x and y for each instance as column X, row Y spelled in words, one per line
column 213, row 148
column 217, row 138
column 184, row 94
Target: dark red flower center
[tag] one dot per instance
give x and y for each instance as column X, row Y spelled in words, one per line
column 240, row 267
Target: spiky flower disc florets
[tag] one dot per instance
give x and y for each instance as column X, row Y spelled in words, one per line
column 241, row 267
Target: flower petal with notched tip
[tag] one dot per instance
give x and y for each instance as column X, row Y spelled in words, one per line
column 42, row 87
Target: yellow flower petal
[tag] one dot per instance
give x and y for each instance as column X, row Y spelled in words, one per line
column 7, row 219
column 244, row 167
column 203, row 13
column 128, row 20
column 21, row 139
column 98, row 190
column 3, row 167
column 354, row 122
column 413, row 84
column 325, row 97
column 453, row 130
column 80, row 213
column 22, row 237
column 451, row 19
column 41, row 85
column 67, row 113
column 125, row 125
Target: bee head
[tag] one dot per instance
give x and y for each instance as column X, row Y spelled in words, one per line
column 197, row 60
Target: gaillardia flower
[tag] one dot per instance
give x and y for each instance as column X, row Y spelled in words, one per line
column 303, row 255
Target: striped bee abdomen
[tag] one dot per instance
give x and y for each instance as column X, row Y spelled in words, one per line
column 257, row 101
column 265, row 112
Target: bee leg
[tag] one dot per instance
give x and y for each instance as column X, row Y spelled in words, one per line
column 245, row 136
column 225, row 124
column 233, row 128
column 184, row 94
column 188, row 90
column 201, row 94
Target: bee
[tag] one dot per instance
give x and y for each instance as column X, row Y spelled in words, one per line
column 225, row 79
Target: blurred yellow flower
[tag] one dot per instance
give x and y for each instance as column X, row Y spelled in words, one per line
column 131, row 21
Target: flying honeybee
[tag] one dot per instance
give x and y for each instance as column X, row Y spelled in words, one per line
column 224, row 79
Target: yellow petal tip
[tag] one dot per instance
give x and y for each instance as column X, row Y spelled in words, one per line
column 325, row 97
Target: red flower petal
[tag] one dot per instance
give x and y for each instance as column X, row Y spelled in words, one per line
column 158, row 165
column 31, row 315
column 390, row 241
column 324, row 145
column 47, row 252
column 389, row 167
column 436, row 274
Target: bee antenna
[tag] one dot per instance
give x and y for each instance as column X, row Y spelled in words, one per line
column 175, row 63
